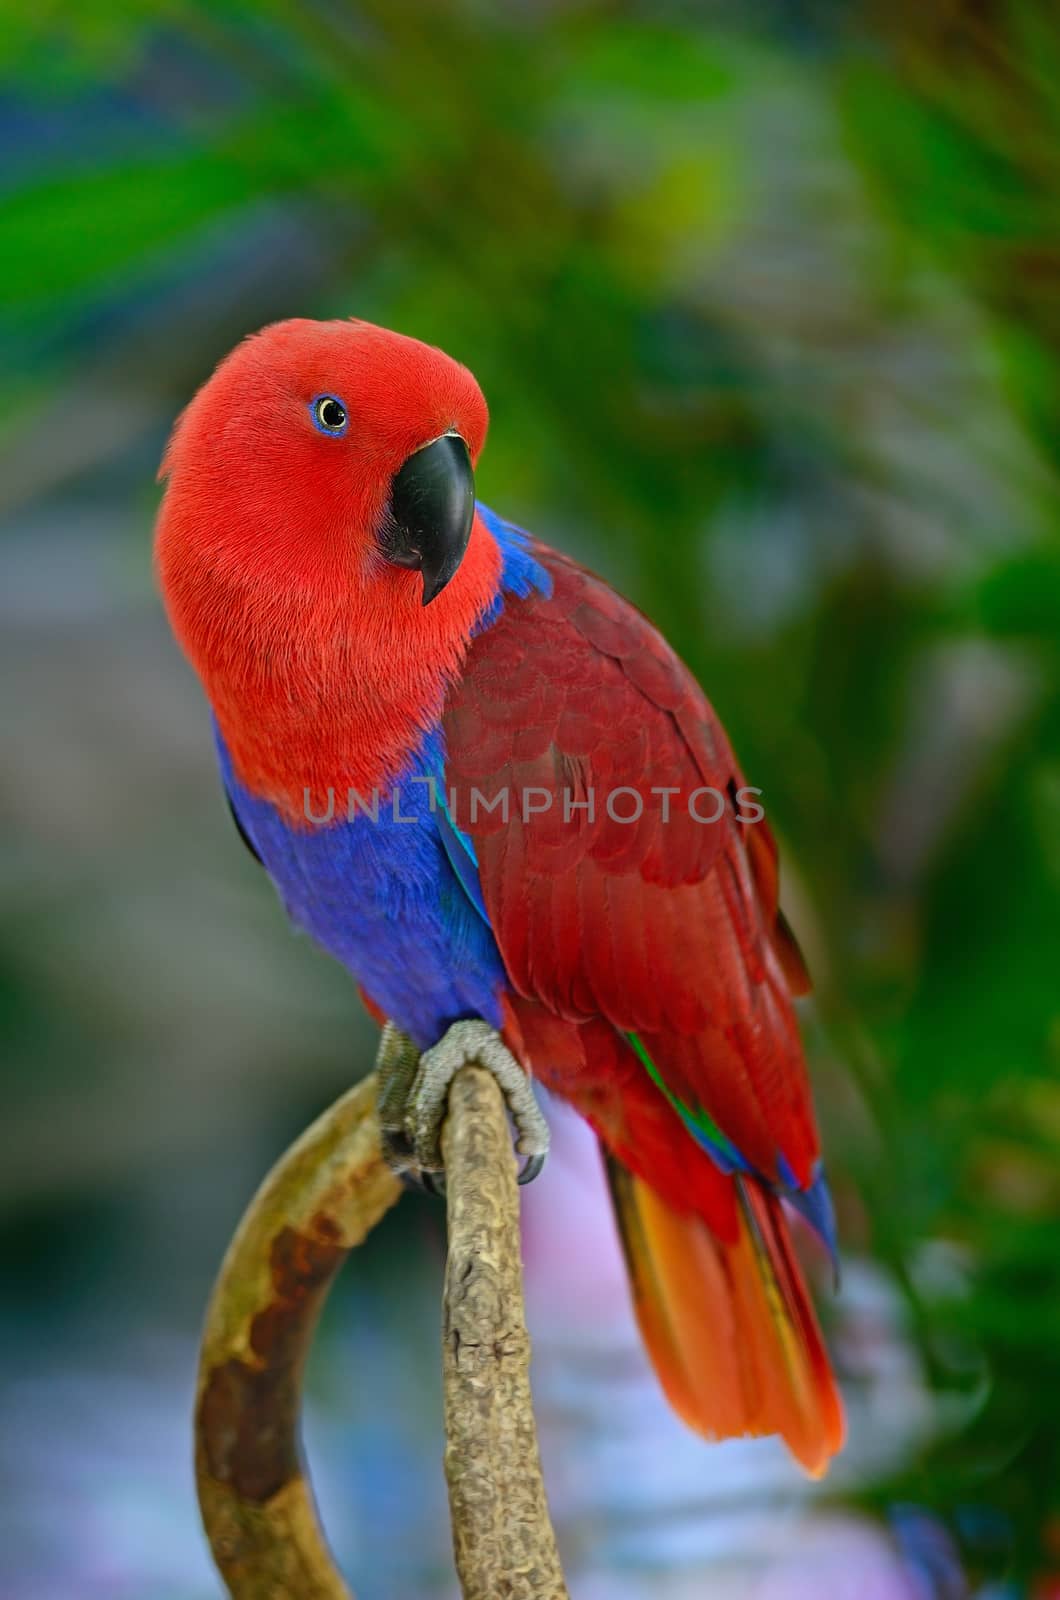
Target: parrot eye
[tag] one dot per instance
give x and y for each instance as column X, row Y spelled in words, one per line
column 329, row 415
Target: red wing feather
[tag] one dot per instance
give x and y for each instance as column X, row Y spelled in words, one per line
column 665, row 925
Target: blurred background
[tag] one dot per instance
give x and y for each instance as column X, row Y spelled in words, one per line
column 765, row 299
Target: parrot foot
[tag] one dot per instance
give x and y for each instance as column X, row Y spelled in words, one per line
column 414, row 1093
column 396, row 1063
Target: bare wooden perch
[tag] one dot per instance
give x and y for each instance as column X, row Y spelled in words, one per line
column 502, row 1535
column 321, row 1199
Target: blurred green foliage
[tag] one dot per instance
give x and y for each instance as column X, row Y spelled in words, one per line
column 766, row 302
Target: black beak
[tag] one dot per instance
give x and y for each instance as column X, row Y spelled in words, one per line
column 432, row 503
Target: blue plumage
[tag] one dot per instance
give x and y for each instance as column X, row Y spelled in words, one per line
column 381, row 895
column 815, row 1204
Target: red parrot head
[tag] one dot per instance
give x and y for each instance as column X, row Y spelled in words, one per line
column 317, row 545
column 321, row 440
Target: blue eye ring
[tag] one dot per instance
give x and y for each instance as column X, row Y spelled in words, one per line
column 323, row 409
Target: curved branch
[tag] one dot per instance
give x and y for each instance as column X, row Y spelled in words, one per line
column 320, row 1200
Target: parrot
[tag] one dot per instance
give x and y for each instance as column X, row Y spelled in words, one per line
column 484, row 782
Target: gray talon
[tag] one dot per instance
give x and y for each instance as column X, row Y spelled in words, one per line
column 412, row 1178
column 414, row 1096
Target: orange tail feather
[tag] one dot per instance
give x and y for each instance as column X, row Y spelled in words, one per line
column 729, row 1326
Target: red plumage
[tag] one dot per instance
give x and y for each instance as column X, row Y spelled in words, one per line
column 665, row 926
column 669, row 928
column 321, row 663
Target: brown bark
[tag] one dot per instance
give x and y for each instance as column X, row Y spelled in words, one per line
column 502, row 1536
column 321, row 1199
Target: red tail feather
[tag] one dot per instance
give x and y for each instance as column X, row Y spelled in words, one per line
column 729, row 1326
